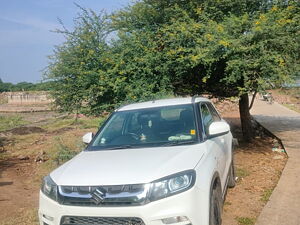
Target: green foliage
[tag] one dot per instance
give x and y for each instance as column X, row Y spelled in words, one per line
column 42, row 86
column 226, row 48
column 25, row 86
column 266, row 195
column 245, row 221
column 78, row 66
column 5, row 86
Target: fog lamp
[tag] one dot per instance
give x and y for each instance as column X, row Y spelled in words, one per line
column 175, row 219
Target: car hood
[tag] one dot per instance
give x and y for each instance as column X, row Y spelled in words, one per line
column 127, row 166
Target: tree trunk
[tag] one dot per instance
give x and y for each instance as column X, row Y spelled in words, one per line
column 247, row 128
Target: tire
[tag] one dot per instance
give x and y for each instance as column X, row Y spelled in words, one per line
column 231, row 176
column 216, row 206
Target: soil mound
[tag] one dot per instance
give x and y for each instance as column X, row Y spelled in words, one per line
column 26, row 130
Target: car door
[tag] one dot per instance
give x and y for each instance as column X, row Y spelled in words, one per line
column 215, row 144
column 227, row 138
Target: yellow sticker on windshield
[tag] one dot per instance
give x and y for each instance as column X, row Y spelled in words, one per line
column 193, row 132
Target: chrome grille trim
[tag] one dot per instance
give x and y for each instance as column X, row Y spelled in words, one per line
column 118, row 195
column 84, row 220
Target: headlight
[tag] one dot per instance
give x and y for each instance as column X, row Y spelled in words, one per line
column 171, row 185
column 49, row 188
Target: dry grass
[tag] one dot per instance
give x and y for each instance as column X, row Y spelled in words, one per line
column 8, row 122
column 258, row 173
column 25, row 217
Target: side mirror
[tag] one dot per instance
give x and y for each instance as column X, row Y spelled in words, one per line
column 218, row 128
column 87, row 138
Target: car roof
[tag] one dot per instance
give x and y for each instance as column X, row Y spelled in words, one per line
column 163, row 102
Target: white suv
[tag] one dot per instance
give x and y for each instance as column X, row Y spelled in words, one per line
column 153, row 163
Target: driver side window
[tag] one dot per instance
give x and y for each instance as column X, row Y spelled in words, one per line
column 111, row 130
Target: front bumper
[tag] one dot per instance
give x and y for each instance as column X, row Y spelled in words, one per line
column 192, row 204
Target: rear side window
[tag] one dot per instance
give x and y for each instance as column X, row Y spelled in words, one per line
column 214, row 112
column 209, row 115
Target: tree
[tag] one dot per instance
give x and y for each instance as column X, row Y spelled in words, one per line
column 78, row 66
column 226, row 48
column 91, row 74
column 5, row 86
column 43, row 86
column 25, row 86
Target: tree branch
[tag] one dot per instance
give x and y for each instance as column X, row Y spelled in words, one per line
column 252, row 100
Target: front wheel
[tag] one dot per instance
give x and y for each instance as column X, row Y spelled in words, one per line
column 216, row 206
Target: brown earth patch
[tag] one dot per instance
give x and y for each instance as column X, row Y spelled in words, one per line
column 16, row 190
column 258, row 170
column 289, row 97
column 26, row 130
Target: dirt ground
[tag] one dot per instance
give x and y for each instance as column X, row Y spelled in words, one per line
column 289, row 97
column 17, row 193
column 29, row 152
column 258, row 170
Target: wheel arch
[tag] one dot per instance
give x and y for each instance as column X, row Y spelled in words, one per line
column 216, row 186
column 215, row 181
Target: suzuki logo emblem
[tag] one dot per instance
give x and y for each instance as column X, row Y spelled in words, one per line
column 98, row 196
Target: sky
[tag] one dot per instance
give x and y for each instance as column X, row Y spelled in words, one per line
column 25, row 33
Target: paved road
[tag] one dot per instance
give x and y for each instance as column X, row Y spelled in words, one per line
column 283, row 207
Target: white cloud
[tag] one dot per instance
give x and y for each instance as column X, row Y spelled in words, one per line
column 33, row 23
column 29, row 31
column 28, row 37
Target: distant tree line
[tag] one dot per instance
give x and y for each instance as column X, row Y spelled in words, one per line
column 155, row 48
column 25, row 86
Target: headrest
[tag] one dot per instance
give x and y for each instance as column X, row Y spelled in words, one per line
column 186, row 115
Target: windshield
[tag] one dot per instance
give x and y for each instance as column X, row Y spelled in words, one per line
column 161, row 126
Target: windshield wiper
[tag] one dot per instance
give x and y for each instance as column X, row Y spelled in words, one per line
column 174, row 143
column 119, row 147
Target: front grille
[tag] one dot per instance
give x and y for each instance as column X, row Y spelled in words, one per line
column 116, row 195
column 83, row 220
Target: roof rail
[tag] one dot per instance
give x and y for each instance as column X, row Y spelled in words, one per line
column 194, row 98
